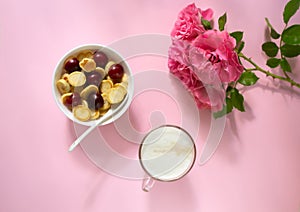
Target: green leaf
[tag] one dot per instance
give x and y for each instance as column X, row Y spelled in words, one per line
column 238, row 36
column 270, row 48
column 290, row 50
column 237, row 99
column 273, row 62
column 206, row 24
column 274, row 34
column 284, row 64
column 229, row 105
column 225, row 110
column 220, row 113
column 222, row 21
column 248, row 78
column 290, row 9
column 240, row 47
column 291, row 35
column 228, row 90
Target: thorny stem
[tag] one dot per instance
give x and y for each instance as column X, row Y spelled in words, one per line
column 268, row 73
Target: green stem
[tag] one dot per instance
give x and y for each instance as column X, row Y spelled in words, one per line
column 281, row 56
column 268, row 73
column 250, row 69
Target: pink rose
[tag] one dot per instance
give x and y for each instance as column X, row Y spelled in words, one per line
column 188, row 25
column 204, row 60
column 205, row 97
column 218, row 47
column 179, row 51
column 209, row 97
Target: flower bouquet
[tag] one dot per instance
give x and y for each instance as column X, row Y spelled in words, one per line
column 210, row 62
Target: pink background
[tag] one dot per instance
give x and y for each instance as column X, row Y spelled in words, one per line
column 256, row 167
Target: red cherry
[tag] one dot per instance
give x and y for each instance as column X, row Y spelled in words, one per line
column 72, row 100
column 100, row 58
column 72, row 65
column 94, row 78
column 76, row 99
column 116, row 72
column 95, row 101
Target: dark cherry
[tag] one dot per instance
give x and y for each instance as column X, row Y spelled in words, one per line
column 95, row 101
column 100, row 58
column 72, row 65
column 76, row 99
column 72, row 100
column 116, row 72
column 94, row 78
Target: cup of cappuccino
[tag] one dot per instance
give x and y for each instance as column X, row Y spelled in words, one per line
column 167, row 153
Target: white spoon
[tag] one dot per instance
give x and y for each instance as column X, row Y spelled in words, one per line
column 113, row 111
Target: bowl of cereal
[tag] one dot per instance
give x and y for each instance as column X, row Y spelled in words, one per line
column 89, row 81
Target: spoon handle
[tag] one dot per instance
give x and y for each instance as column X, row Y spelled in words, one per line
column 91, row 128
column 82, row 136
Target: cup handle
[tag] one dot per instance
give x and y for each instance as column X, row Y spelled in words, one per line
column 148, row 183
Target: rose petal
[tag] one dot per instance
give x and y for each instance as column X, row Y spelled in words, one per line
column 207, row 14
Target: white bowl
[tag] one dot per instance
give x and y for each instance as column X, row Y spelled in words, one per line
column 112, row 55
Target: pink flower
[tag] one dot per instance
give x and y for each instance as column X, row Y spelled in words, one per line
column 207, row 14
column 206, row 97
column 184, row 73
column 204, row 60
column 218, row 47
column 188, row 25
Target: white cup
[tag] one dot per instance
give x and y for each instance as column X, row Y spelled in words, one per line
column 167, row 153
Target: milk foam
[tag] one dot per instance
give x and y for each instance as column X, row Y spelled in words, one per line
column 167, row 153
